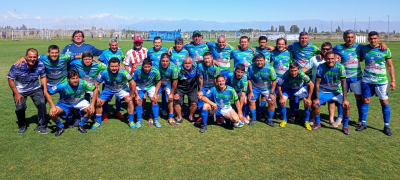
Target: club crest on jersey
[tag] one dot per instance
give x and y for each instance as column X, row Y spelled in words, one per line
column 37, row 72
column 54, row 88
column 379, row 55
column 128, row 76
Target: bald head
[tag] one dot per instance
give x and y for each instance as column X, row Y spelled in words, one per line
column 187, row 62
column 221, row 41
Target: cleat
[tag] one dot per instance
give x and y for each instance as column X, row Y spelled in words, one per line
column 338, row 121
column 198, row 120
column 246, row 120
column 179, row 121
column 311, row 121
column 119, row 115
column 346, row 131
column 138, row 124
column 251, row 122
column 316, row 126
column 283, row 123
column 96, row 125
column 203, row 128
column 333, row 123
column 132, row 125
column 37, row 128
column 150, row 122
column 387, row 131
column 271, row 123
column 59, row 131
column 82, row 129
column 191, row 120
column 171, row 121
column 105, row 117
column 361, row 127
column 238, row 124
column 308, row 125
column 157, row 123
column 143, row 112
column 164, row 113
column 220, row 120
column 359, row 121
column 43, row 130
column 22, row 130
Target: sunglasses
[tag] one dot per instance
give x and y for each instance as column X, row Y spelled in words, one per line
column 326, row 49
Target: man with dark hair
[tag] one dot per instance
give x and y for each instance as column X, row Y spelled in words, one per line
column 303, row 51
column 178, row 53
column 292, row 84
column 196, row 48
column 77, row 46
column 115, row 81
column 375, row 81
column 238, row 80
column 219, row 101
column 72, row 96
column 23, row 81
column 155, row 53
column 244, row 54
column 329, row 85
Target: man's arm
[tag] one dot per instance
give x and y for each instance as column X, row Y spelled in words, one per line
column 17, row 95
column 43, row 80
column 174, row 84
column 200, row 83
column 132, row 87
column 158, row 85
column 390, row 67
column 206, row 100
column 250, row 89
column 239, row 107
column 316, row 88
column 310, row 89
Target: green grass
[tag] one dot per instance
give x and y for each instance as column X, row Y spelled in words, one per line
column 258, row 152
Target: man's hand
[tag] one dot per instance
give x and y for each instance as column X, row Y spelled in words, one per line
column 319, row 56
column 90, row 109
column 282, row 102
column 251, row 96
column 99, row 102
column 338, row 58
column 272, row 48
column 19, row 62
column 254, row 51
column 17, row 98
column 128, row 99
column 215, row 62
column 53, row 111
column 271, row 97
column 154, row 98
column 137, row 98
column 214, row 106
column 382, row 46
column 200, row 94
column 170, row 97
column 392, row 85
column 170, row 51
column 346, row 104
column 176, row 97
column 307, row 102
column 316, row 102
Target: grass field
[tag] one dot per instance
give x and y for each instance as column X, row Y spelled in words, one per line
column 115, row 151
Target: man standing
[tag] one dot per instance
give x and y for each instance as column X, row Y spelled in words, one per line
column 375, row 81
column 219, row 101
column 221, row 52
column 195, row 48
column 244, row 54
column 178, row 54
column 155, row 53
column 303, row 51
column 77, row 46
column 23, row 81
column 134, row 57
column 238, row 80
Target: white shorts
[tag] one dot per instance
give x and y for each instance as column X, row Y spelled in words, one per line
column 355, row 87
column 149, row 92
column 123, row 93
column 166, row 88
column 225, row 111
column 82, row 105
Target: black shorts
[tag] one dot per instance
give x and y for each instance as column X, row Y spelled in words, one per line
column 192, row 96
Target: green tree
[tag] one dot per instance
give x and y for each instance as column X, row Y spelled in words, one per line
column 294, row 29
column 315, row 30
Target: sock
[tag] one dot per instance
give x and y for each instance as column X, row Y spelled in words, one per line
column 277, row 104
column 244, row 110
column 70, row 119
column 155, row 109
column 199, row 106
column 253, row 114
column 317, row 119
column 163, row 101
column 359, row 106
column 283, row 112
column 98, row 118
column 139, row 110
column 262, row 108
column 204, row 116
column 364, row 112
column 130, row 117
column 270, row 115
column 345, row 121
column 105, row 107
column 292, row 105
column 171, row 115
column 386, row 114
column 59, row 123
column 118, row 104
column 77, row 119
column 339, row 110
column 258, row 107
column 297, row 106
column 84, row 120
column 306, row 114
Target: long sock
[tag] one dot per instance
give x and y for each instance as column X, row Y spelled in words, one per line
column 292, row 105
column 118, row 104
column 130, row 117
column 277, row 104
column 345, row 121
column 317, row 119
column 204, row 116
column 386, row 114
column 171, row 115
column 70, row 119
column 98, row 118
column 199, row 106
column 59, row 123
column 339, row 110
column 297, row 106
column 139, row 110
column 364, row 111
column 244, row 109
column 359, row 106
column 270, row 115
column 105, row 107
column 306, row 114
column 163, row 102
column 77, row 119
column 283, row 112
column 84, row 120
column 263, row 103
column 253, row 114
column 155, row 109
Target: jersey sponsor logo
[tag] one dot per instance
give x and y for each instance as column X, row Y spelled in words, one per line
column 305, row 78
column 99, row 76
column 54, row 88
column 344, row 72
column 128, row 76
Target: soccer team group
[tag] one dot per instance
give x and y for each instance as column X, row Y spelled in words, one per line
column 263, row 76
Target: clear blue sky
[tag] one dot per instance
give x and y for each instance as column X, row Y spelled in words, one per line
column 206, row 10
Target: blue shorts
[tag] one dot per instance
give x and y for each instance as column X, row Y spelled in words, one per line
column 258, row 92
column 107, row 95
column 328, row 96
column 150, row 92
column 380, row 90
column 67, row 108
column 166, row 88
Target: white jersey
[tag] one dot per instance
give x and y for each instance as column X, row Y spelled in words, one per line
column 312, row 65
column 133, row 57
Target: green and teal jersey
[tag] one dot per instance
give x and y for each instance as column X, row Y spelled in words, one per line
column 289, row 82
column 351, row 60
column 155, row 55
column 301, row 55
column 240, row 85
column 168, row 74
column 375, row 64
column 261, row 78
column 222, row 56
column 145, row 81
column 264, row 51
column 88, row 73
column 196, row 51
column 114, row 82
column 56, row 71
column 177, row 57
column 242, row 56
column 281, row 61
column 331, row 77
column 71, row 95
column 208, row 73
column 224, row 98
column 107, row 54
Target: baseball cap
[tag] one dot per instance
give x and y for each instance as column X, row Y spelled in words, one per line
column 196, row 32
column 138, row 39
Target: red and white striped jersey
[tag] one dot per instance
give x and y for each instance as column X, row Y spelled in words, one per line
column 133, row 57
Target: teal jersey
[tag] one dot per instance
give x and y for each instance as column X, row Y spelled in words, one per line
column 330, row 77
column 208, row 73
column 224, row 98
column 261, row 78
column 281, row 61
column 375, row 65
column 222, row 56
column 289, row 82
column 196, row 51
column 240, row 85
column 351, row 60
column 56, row 71
column 88, row 73
column 264, row 51
column 107, row 54
column 114, row 82
column 168, row 74
column 71, row 95
column 178, row 57
column 155, row 55
column 145, row 81
column 242, row 56
column 301, row 55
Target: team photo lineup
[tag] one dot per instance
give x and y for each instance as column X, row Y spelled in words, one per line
column 220, row 83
